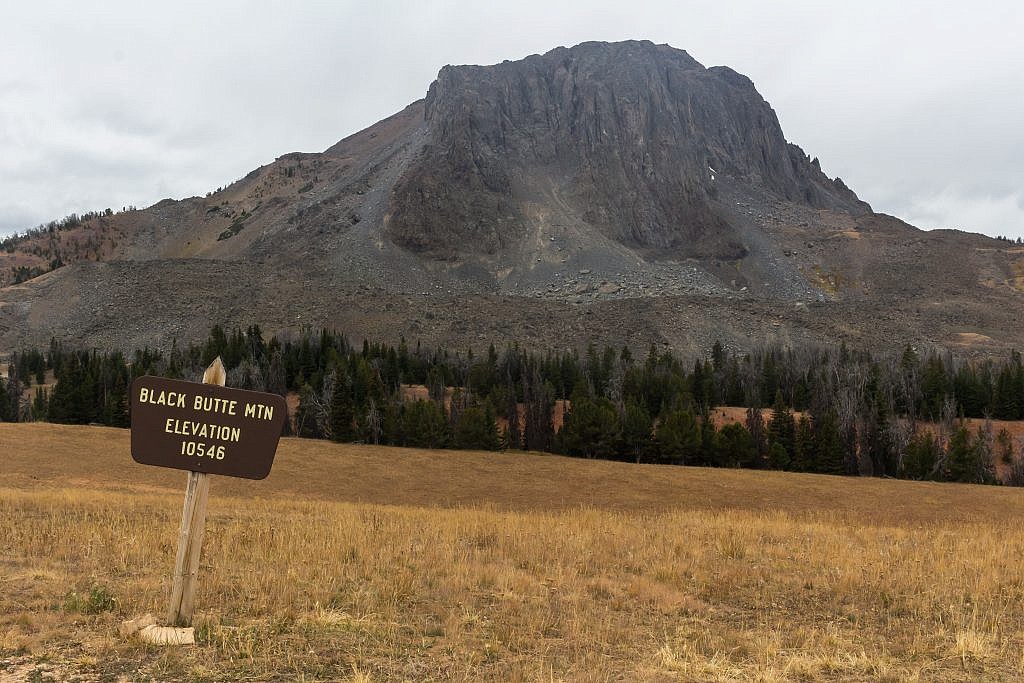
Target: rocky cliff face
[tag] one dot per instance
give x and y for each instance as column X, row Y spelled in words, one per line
column 628, row 138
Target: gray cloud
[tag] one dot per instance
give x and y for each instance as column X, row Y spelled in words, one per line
column 916, row 107
column 14, row 218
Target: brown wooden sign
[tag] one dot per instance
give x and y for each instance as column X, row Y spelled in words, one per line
column 205, row 427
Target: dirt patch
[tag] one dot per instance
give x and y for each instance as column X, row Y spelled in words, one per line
column 971, row 339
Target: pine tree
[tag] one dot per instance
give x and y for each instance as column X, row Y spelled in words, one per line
column 637, row 443
column 805, row 457
column 732, row 392
column 40, row 404
column 591, row 428
column 969, row 459
column 701, row 385
column 961, row 462
column 778, row 458
column 710, row 444
column 424, row 425
column 757, row 431
column 935, row 386
column 677, row 438
column 876, row 441
column 717, row 356
column 781, row 430
column 342, row 408
column 392, row 426
column 538, row 430
column 476, row 429
column 116, row 409
column 828, row 444
column 737, row 446
column 769, row 377
column 923, row 452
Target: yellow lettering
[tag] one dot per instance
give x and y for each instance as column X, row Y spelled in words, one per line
column 202, row 430
column 259, row 410
column 211, row 404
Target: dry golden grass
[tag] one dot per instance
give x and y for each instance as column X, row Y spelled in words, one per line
column 483, row 570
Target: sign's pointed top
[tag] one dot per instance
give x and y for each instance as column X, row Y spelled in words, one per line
column 215, row 374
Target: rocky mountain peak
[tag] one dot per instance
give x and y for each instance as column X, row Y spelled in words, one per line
column 626, row 138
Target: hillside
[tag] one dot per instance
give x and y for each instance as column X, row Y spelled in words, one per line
column 615, row 192
column 364, row 564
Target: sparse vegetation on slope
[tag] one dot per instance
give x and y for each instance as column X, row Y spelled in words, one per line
column 90, row 236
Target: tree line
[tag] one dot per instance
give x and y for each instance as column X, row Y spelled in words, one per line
column 46, row 243
column 831, row 410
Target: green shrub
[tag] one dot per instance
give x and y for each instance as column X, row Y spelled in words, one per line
column 96, row 600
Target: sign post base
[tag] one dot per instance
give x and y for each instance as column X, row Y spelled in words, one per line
column 193, row 523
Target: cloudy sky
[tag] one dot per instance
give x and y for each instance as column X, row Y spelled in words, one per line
column 106, row 104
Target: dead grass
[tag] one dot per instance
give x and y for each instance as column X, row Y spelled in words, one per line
column 970, row 338
column 827, row 281
column 480, row 571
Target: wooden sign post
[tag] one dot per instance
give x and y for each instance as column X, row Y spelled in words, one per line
column 204, row 429
column 193, row 524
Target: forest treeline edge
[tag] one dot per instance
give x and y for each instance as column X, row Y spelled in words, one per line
column 833, row 410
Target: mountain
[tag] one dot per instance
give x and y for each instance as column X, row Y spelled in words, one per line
column 623, row 140
column 615, row 192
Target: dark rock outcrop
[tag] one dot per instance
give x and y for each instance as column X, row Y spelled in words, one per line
column 624, row 137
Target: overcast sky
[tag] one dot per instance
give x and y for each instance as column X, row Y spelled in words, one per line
column 105, row 104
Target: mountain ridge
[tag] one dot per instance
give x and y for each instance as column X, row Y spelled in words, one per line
column 607, row 180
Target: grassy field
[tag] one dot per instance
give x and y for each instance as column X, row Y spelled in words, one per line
column 364, row 563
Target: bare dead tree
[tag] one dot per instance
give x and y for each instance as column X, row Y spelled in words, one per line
column 616, row 383
column 373, row 422
column 435, row 386
column 1016, row 475
column 25, row 412
column 986, row 444
column 947, row 425
column 909, row 390
column 900, row 432
column 948, row 418
column 247, row 375
column 750, row 383
column 461, row 399
column 320, row 405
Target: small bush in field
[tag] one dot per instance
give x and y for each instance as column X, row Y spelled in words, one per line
column 94, row 601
